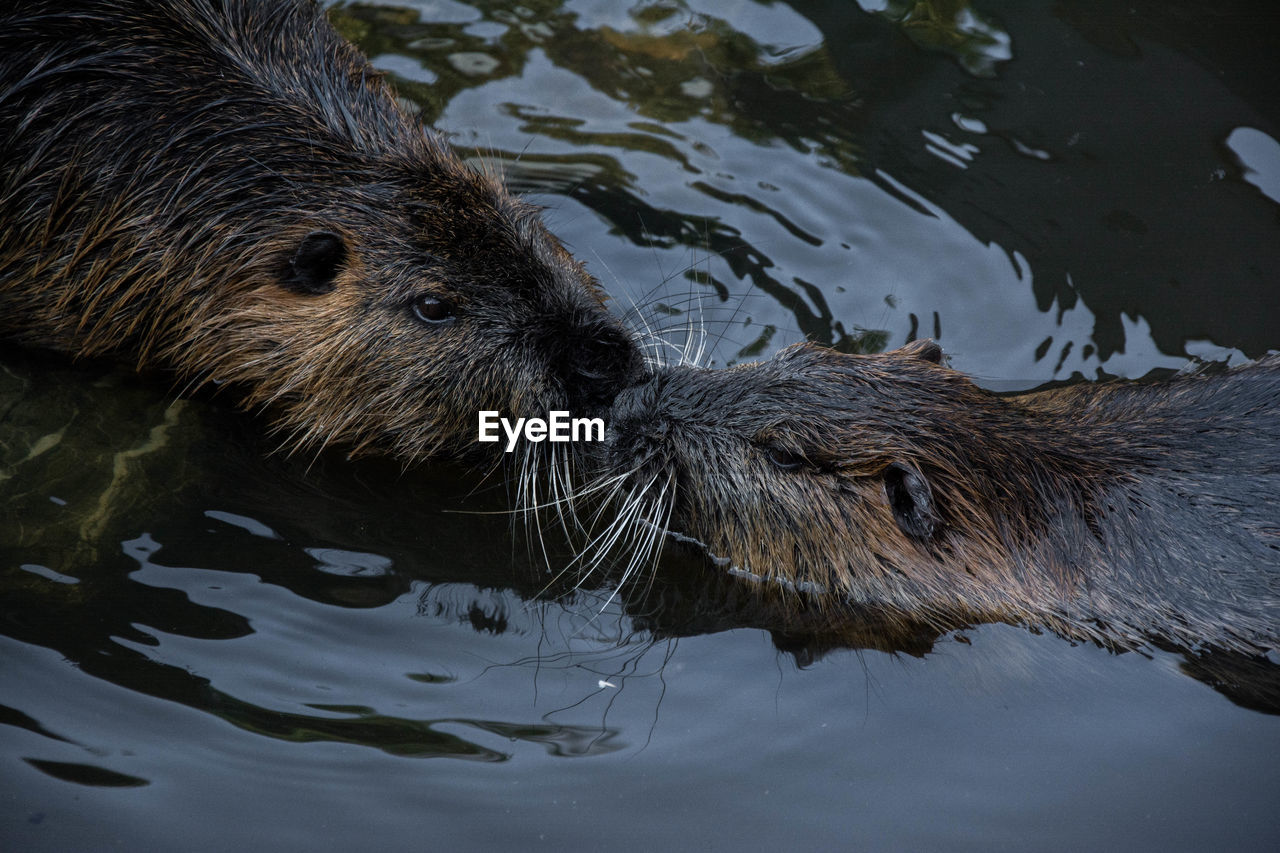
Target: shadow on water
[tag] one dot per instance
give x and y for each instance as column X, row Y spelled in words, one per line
column 96, row 475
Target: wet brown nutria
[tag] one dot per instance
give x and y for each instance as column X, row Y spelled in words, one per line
column 226, row 189
column 1119, row 512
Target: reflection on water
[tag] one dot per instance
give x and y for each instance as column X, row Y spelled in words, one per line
column 1259, row 159
column 205, row 645
column 949, row 26
column 817, row 171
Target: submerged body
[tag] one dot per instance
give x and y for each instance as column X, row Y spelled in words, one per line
column 225, row 189
column 1120, row 512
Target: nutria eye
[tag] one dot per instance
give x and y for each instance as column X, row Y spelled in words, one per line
column 785, row 460
column 432, row 311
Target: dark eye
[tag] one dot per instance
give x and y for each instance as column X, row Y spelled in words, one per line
column 785, row 460
column 432, row 311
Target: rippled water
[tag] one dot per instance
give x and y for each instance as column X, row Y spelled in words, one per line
column 205, row 646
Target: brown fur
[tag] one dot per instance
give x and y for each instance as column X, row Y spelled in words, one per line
column 1117, row 512
column 228, row 191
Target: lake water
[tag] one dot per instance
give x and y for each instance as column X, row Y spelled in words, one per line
column 208, row 646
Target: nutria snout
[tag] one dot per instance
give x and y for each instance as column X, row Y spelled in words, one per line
column 1119, row 511
column 228, row 191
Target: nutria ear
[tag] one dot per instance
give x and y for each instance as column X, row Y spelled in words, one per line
column 925, row 348
column 911, row 500
column 314, row 265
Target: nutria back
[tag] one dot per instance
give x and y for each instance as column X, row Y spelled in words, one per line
column 226, row 190
column 1120, row 512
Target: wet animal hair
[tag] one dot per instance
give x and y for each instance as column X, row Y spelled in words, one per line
column 1119, row 512
column 225, row 189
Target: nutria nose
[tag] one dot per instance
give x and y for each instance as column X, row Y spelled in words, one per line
column 601, row 361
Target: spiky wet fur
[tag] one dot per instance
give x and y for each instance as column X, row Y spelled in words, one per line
column 1116, row 512
column 162, row 161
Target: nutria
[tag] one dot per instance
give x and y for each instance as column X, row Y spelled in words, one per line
column 226, row 190
column 1121, row 512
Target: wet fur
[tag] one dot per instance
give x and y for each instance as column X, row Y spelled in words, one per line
column 1118, row 512
column 225, row 189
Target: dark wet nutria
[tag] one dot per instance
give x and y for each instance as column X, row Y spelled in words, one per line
column 225, row 189
column 1119, row 512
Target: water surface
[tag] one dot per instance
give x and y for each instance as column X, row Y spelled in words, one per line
column 206, row 646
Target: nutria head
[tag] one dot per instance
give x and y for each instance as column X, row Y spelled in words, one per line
column 229, row 191
column 893, row 481
column 389, row 324
column 831, row 473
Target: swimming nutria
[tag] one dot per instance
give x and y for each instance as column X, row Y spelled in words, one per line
column 1118, row 512
column 227, row 190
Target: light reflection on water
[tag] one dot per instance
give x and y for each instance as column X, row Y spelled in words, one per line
column 259, row 651
column 798, row 230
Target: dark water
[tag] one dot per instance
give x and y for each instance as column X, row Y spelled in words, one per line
column 205, row 646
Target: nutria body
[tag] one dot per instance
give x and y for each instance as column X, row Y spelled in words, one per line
column 226, row 190
column 1121, row 512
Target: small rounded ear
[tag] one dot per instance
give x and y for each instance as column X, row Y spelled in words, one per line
column 911, row 500
column 925, row 348
column 315, row 264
